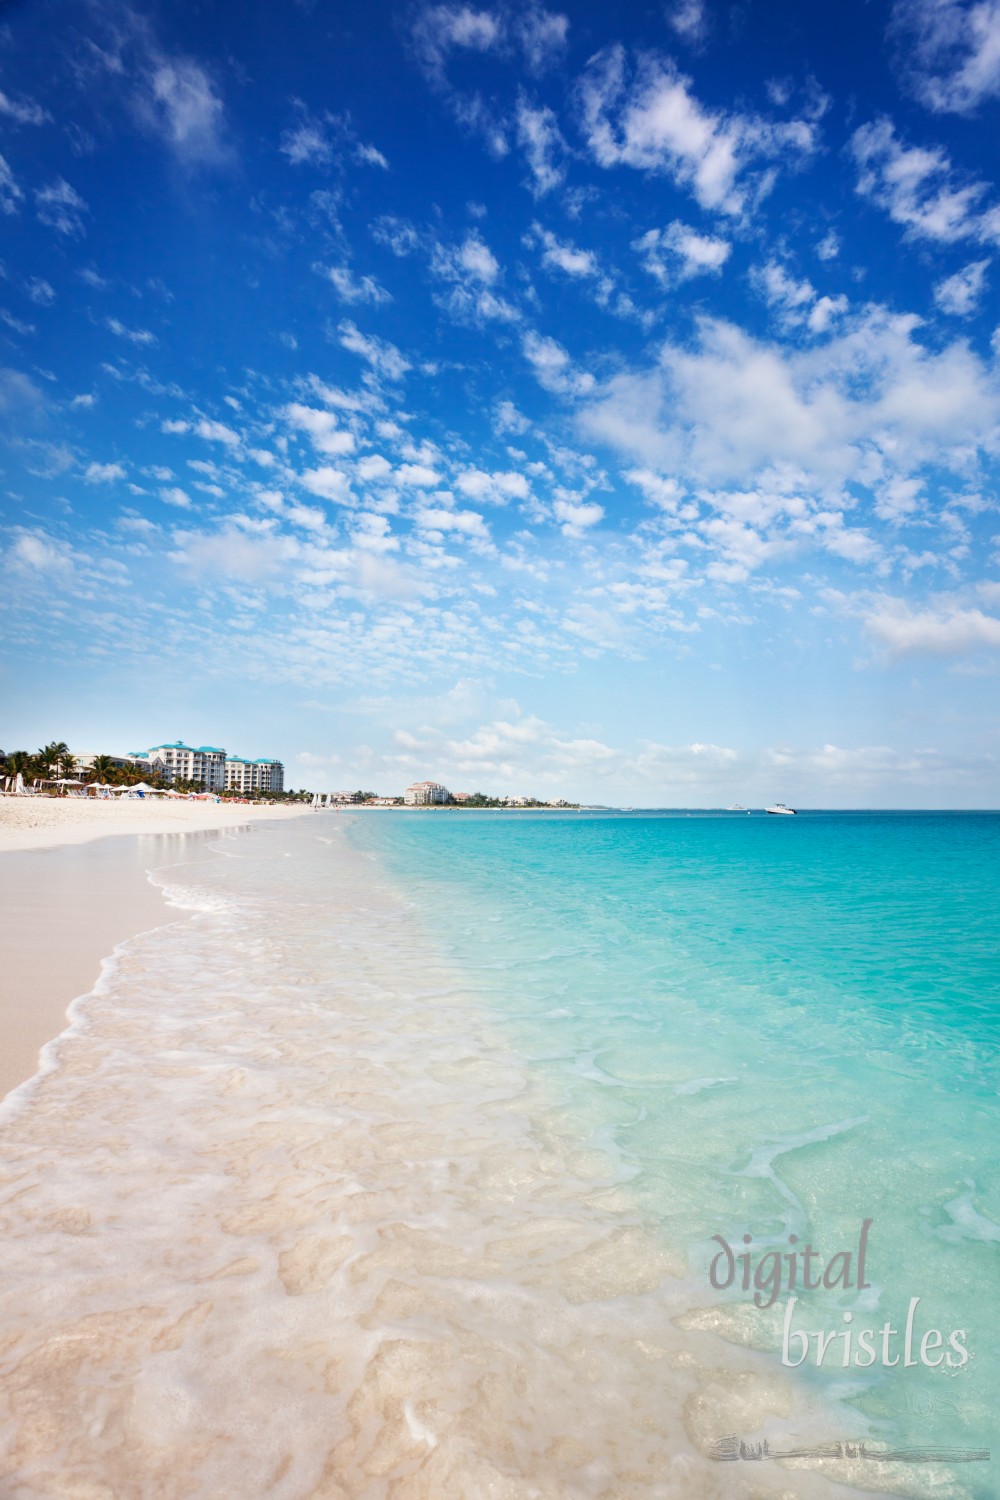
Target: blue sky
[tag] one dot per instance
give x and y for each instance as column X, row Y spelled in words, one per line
column 589, row 402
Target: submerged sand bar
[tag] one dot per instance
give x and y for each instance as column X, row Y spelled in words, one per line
column 67, row 908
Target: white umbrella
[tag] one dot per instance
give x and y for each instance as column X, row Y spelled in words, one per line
column 68, row 781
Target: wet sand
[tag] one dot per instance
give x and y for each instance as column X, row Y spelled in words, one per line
column 65, row 910
column 73, row 885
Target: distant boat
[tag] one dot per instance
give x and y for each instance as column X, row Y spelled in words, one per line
column 780, row 809
column 737, row 808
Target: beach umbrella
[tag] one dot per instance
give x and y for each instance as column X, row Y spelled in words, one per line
column 67, row 781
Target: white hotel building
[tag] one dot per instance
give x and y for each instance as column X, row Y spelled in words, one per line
column 254, row 775
column 426, row 794
column 210, row 767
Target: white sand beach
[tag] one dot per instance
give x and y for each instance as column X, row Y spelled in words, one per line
column 38, row 822
column 67, row 908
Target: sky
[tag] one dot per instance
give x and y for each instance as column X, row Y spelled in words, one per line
column 590, row 402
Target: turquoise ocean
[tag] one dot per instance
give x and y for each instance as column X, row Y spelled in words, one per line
column 775, row 1026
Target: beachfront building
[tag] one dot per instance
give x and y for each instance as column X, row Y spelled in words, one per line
column 246, row 776
column 345, row 797
column 84, row 762
column 425, row 794
column 204, row 764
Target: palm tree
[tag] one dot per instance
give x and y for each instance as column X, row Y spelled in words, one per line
column 20, row 762
column 101, row 769
column 64, row 757
column 55, row 756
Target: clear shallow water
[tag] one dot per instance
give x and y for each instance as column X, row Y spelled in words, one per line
column 774, row 1027
column 388, row 1168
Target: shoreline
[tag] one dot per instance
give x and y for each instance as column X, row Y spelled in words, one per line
column 74, row 886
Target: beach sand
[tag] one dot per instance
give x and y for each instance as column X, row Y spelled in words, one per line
column 38, row 822
column 66, row 908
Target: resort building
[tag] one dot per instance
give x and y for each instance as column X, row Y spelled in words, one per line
column 245, row 776
column 204, row 764
column 84, row 762
column 425, row 793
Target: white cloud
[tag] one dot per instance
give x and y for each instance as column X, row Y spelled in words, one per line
column 947, row 630
column 350, row 288
column 563, row 255
column 507, row 418
column 22, row 111
column 474, row 272
column 371, row 156
column 398, row 235
column 542, row 35
column 103, row 473
column 38, row 552
column 374, row 468
column 663, row 492
column 60, row 206
column 181, row 106
column 325, row 432
column 553, row 368
column 40, row 291
column 829, row 246
column 234, row 553
column 679, row 252
column 544, row 148
column 577, row 516
column 384, row 358
column 329, row 483
column 797, row 303
column 919, row 188
column 465, row 522
column 217, row 432
column 689, row 19
column 863, row 406
column 308, row 142
column 443, row 29
column 493, row 489
column 949, row 51
column 309, row 517
column 960, row 294
column 653, row 122
column 140, row 336
column 18, row 324
column 10, row 193
column 418, row 476
column 472, row 260
column 175, row 496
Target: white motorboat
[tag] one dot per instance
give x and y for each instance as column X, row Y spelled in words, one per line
column 737, row 808
column 781, row 810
